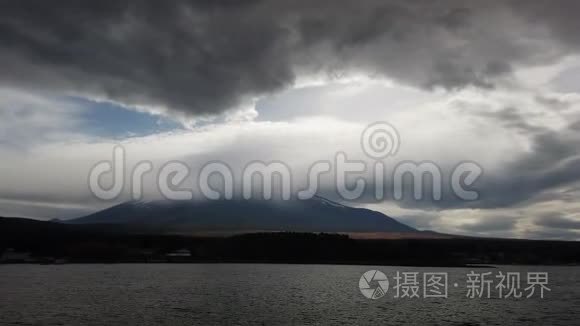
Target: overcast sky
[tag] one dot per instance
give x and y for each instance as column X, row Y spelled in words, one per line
column 493, row 82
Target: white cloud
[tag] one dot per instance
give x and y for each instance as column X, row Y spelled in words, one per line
column 29, row 118
column 444, row 127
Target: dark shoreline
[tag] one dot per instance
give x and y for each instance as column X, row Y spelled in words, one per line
column 54, row 243
column 250, row 262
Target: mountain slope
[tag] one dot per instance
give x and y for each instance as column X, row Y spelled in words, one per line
column 315, row 215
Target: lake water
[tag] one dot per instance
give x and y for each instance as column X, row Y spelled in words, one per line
column 208, row 294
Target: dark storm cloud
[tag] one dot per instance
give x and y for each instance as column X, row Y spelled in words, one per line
column 551, row 162
column 554, row 103
column 508, row 117
column 557, row 221
column 421, row 221
column 489, row 224
column 553, row 234
column 43, row 211
column 204, row 57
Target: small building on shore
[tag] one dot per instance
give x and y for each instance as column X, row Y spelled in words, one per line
column 13, row 256
column 178, row 255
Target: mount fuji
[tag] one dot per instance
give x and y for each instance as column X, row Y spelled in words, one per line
column 314, row 215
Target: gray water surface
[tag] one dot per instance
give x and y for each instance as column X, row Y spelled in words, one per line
column 241, row 294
